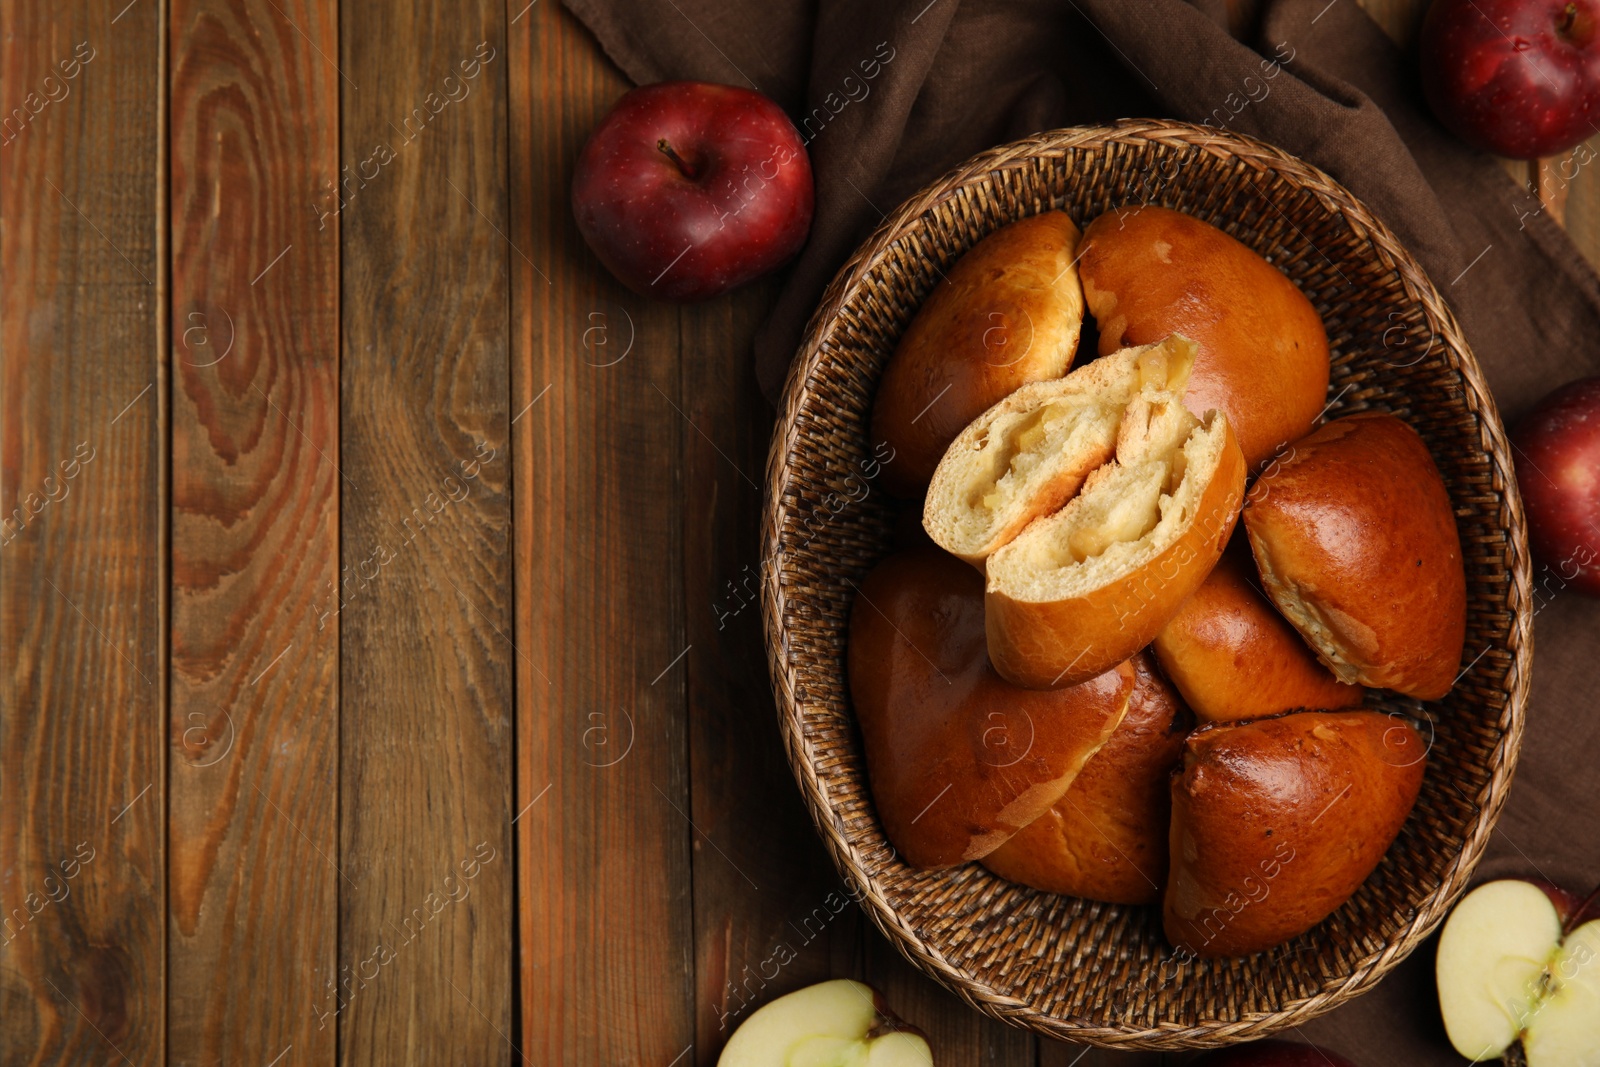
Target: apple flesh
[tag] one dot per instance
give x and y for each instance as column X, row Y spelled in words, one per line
column 1508, row 970
column 832, row 1024
column 1558, row 471
column 1567, row 1029
column 1272, row 1054
column 687, row 189
column 1519, row 78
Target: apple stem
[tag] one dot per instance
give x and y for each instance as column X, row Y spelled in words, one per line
column 684, row 168
column 1578, row 912
column 1568, row 17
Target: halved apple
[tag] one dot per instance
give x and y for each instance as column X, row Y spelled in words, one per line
column 832, row 1024
column 1508, row 970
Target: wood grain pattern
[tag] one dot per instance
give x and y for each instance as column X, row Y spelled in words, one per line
column 254, row 721
column 959, row 1036
column 306, row 850
column 607, row 939
column 1582, row 207
column 82, row 500
column 770, row 911
column 427, row 918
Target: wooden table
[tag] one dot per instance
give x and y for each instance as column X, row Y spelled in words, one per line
column 383, row 680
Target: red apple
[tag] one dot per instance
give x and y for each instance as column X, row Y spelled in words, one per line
column 1558, row 471
column 1519, row 78
column 1272, row 1053
column 687, row 189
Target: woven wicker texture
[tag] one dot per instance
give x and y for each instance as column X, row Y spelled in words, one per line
column 1069, row 968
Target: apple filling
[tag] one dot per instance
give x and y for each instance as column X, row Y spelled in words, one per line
column 1129, row 511
column 1121, row 508
column 1027, row 444
column 1031, row 453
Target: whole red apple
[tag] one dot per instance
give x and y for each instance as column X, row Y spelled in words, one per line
column 1272, row 1053
column 687, row 189
column 1519, row 78
column 1558, row 471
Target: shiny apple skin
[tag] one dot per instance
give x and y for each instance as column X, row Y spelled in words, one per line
column 1571, row 909
column 1558, row 471
column 743, row 210
column 1272, row 1053
column 1504, row 76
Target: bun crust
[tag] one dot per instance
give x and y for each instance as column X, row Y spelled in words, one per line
column 1356, row 542
column 1150, row 271
column 958, row 759
column 1106, row 838
column 1008, row 312
column 1276, row 822
column 1055, row 620
column 1233, row 657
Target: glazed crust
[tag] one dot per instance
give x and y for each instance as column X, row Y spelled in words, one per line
column 1276, row 822
column 1008, row 312
column 1106, row 838
column 1040, row 644
column 1357, row 546
column 1232, row 656
column 958, row 759
column 1150, row 271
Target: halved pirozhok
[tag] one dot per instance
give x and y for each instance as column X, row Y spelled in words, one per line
column 1085, row 588
column 1029, row 454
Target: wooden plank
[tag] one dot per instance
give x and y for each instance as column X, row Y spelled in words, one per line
column 427, row 899
column 607, row 939
column 959, row 1036
column 770, row 911
column 253, row 905
column 82, row 504
column 1575, row 181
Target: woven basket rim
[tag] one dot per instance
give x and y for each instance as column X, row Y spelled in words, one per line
column 1418, row 288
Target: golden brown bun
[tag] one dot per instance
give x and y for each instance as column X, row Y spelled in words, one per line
column 1357, row 545
column 1276, row 822
column 1084, row 589
column 1030, row 453
column 1150, row 271
column 1233, row 657
column 1106, row 838
column 959, row 760
column 1008, row 313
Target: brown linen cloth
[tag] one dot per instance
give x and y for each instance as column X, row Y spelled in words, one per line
column 893, row 93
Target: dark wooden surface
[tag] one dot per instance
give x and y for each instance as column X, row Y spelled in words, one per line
column 426, row 679
column 606, row 846
column 83, row 574
column 383, row 675
column 253, row 711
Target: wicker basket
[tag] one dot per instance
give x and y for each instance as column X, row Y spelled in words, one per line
column 1075, row 969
